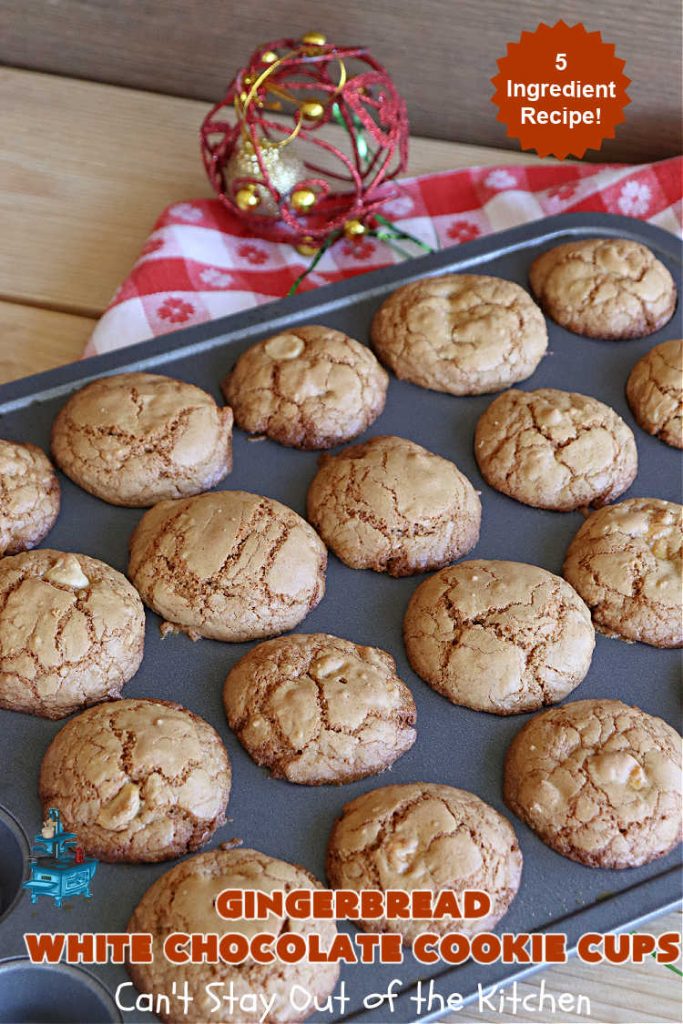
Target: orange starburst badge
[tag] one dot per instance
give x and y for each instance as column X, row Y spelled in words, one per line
column 560, row 90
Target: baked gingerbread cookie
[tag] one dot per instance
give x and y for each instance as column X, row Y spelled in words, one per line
column 609, row 288
column 465, row 334
column 390, row 505
column 138, row 438
column 137, row 780
column 228, row 565
column 625, row 562
column 599, row 782
column 654, row 391
column 499, row 636
column 309, row 387
column 72, row 632
column 421, row 835
column 555, row 449
column 183, row 900
column 317, row 709
column 29, row 496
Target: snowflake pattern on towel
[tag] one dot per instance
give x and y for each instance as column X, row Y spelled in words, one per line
column 634, row 199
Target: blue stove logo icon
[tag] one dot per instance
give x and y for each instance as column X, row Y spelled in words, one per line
column 59, row 867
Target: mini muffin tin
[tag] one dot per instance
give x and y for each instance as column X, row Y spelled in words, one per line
column 454, row 745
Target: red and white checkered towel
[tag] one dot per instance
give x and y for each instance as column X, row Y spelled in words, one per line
column 200, row 263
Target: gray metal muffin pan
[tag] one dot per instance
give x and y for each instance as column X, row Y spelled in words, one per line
column 454, row 745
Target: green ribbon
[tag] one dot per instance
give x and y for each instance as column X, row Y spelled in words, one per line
column 389, row 234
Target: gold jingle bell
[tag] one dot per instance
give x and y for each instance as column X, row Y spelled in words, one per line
column 313, row 41
column 308, row 247
column 354, row 228
column 269, row 57
column 313, row 110
column 247, row 198
column 303, row 199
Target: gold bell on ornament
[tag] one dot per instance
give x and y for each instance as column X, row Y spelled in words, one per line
column 313, row 41
column 354, row 228
column 303, row 199
column 284, row 169
column 308, row 247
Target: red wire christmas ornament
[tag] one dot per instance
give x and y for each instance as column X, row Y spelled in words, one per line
column 273, row 166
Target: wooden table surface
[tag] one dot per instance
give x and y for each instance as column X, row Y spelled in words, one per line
column 84, row 171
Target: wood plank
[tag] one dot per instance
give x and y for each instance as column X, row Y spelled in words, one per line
column 81, row 188
column 38, row 339
column 442, row 54
column 618, row 994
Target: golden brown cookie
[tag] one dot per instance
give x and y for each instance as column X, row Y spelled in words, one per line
column 72, row 632
column 555, row 449
column 655, row 392
column 499, row 636
column 316, row 709
column 29, row 496
column 425, row 836
column 309, row 387
column 608, row 288
column 183, row 900
column 137, row 780
column 228, row 565
column 625, row 562
column 461, row 333
column 392, row 506
column 599, row 782
column 138, row 438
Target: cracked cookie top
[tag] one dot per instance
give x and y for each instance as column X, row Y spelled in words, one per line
column 392, row 506
column 29, row 496
column 626, row 563
column 462, row 333
column 555, row 449
column 606, row 288
column 499, row 636
column 599, row 782
column 228, row 565
column 425, row 836
column 318, row 709
column 655, row 392
column 72, row 632
column 138, row 438
column 183, row 900
column 137, row 780
column 310, row 387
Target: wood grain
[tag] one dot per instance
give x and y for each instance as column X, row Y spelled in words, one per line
column 79, row 196
column 617, row 994
column 34, row 339
column 442, row 53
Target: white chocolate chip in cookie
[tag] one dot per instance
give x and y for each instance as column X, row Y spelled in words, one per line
column 68, row 573
column 119, row 812
column 284, row 346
